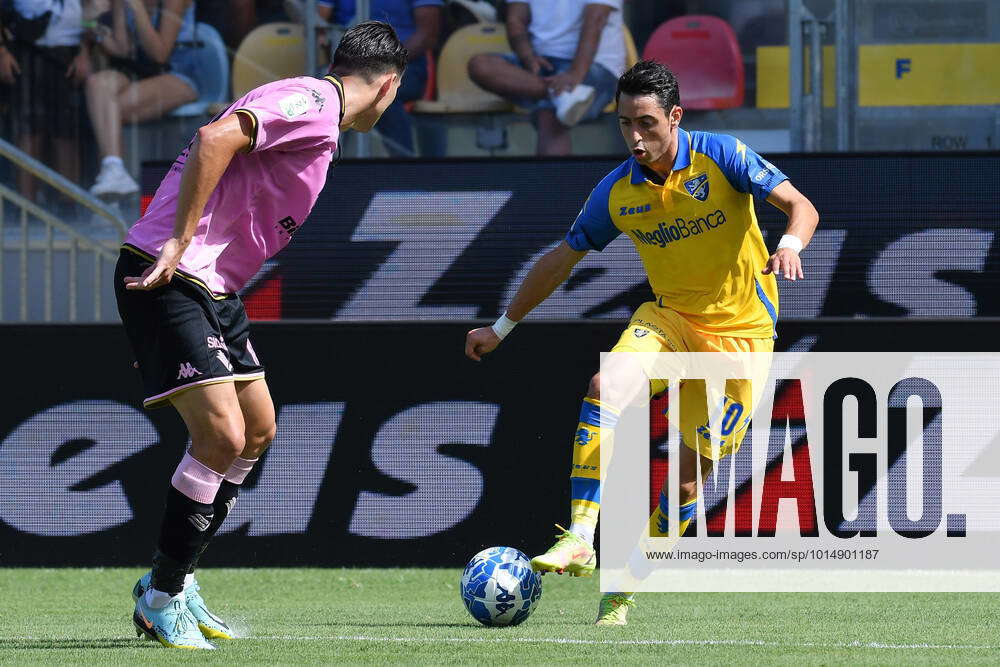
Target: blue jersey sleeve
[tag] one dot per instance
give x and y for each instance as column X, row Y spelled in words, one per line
column 745, row 170
column 593, row 229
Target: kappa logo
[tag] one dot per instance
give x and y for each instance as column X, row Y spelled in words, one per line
column 697, row 187
column 187, row 371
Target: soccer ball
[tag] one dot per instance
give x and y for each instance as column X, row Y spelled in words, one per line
column 499, row 587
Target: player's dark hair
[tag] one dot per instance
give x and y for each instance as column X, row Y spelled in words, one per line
column 369, row 49
column 648, row 77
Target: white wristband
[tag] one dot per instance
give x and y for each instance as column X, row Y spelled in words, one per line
column 790, row 241
column 503, row 326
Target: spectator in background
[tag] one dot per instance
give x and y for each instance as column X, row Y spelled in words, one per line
column 567, row 57
column 154, row 70
column 43, row 63
column 418, row 24
column 235, row 19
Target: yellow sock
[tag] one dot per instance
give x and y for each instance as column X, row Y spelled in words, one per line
column 585, row 476
column 639, row 567
column 658, row 523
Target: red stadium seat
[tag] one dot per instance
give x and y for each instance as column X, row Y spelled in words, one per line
column 430, row 88
column 704, row 54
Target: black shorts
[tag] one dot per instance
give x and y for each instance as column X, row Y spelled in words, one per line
column 182, row 334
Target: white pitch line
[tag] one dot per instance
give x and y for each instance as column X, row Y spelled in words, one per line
column 602, row 642
column 629, row 642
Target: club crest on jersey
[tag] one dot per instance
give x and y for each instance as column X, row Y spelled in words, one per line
column 639, row 333
column 697, row 187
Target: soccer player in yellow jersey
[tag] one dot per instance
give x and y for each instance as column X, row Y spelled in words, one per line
column 685, row 199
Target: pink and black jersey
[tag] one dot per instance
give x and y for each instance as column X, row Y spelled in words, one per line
column 265, row 194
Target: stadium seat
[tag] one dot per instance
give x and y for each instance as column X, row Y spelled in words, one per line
column 213, row 62
column 456, row 92
column 270, row 52
column 898, row 75
column 704, row 54
column 773, row 77
column 631, row 58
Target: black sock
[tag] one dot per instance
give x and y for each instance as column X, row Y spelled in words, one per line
column 182, row 534
column 225, row 500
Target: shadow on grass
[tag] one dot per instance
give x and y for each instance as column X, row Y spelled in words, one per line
column 73, row 644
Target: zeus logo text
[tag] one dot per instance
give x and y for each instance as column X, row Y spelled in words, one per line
column 632, row 210
column 667, row 232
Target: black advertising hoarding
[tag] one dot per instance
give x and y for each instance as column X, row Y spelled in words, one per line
column 902, row 235
column 392, row 448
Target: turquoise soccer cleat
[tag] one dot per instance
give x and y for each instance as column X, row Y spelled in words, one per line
column 172, row 625
column 211, row 626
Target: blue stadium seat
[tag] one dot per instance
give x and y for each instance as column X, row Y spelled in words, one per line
column 213, row 60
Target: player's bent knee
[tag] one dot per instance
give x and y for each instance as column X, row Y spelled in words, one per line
column 594, row 390
column 258, row 440
column 228, row 442
column 688, row 492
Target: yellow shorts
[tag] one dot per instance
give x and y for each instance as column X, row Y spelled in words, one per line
column 656, row 329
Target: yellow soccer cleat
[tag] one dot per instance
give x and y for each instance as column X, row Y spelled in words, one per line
column 613, row 609
column 570, row 554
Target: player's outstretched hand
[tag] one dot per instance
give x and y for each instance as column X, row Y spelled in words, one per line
column 479, row 342
column 785, row 262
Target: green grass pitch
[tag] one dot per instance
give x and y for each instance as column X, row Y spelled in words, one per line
column 415, row 617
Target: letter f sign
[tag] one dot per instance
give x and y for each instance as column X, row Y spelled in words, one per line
column 902, row 67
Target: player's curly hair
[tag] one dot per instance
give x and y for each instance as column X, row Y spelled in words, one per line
column 369, row 49
column 648, row 77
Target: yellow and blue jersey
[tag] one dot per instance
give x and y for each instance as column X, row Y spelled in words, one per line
column 696, row 232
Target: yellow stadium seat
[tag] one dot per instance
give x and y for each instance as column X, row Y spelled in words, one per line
column 772, row 76
column 631, row 58
column 270, row 52
column 894, row 75
column 456, row 92
column 928, row 74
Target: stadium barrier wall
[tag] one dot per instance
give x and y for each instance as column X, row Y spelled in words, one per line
column 901, row 235
column 392, row 448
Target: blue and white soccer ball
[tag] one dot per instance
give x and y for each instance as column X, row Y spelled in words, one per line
column 499, row 587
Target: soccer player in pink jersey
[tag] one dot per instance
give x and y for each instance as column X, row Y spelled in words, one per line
column 230, row 201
